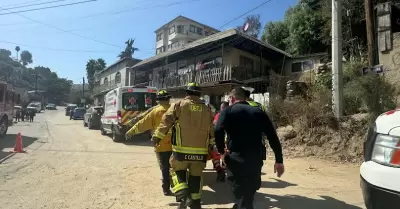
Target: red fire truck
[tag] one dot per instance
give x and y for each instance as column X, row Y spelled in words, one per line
column 8, row 98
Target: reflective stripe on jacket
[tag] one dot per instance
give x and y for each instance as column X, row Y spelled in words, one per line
column 192, row 127
column 151, row 122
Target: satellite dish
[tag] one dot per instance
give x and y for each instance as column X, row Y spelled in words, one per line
column 246, row 26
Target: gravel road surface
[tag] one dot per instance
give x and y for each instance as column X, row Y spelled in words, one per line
column 69, row 166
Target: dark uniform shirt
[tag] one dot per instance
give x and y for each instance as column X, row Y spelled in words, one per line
column 244, row 126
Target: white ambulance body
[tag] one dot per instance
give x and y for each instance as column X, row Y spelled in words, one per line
column 121, row 105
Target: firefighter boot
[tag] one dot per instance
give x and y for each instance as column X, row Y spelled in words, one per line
column 195, row 204
column 167, row 192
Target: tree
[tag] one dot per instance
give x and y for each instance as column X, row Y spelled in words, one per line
column 93, row 66
column 17, row 49
column 254, row 26
column 26, row 58
column 129, row 49
column 276, row 34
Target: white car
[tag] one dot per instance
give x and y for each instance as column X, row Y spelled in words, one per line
column 380, row 171
column 37, row 106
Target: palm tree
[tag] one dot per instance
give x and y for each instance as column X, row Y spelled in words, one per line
column 17, row 49
column 129, row 49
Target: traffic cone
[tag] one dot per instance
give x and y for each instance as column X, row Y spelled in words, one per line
column 18, row 144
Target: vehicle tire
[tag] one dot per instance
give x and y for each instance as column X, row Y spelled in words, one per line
column 102, row 131
column 3, row 126
column 115, row 136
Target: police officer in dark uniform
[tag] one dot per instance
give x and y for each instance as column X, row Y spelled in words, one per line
column 244, row 125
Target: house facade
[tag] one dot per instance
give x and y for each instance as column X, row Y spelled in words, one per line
column 116, row 75
column 218, row 63
column 180, row 31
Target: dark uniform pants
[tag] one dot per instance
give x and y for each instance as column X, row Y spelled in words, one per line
column 163, row 162
column 245, row 175
column 187, row 179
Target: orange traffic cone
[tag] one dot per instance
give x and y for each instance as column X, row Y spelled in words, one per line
column 18, row 144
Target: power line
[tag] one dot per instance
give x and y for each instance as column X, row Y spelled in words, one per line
column 65, row 50
column 60, row 29
column 242, row 15
column 49, row 7
column 56, row 49
column 29, row 5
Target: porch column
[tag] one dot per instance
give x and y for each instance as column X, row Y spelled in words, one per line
column 261, row 63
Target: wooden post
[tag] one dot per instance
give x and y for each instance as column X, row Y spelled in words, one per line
column 370, row 31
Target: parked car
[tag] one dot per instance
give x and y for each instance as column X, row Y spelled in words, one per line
column 69, row 108
column 36, row 106
column 92, row 117
column 77, row 113
column 51, row 107
column 380, row 170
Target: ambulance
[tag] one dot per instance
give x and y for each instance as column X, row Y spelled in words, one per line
column 380, row 171
column 121, row 105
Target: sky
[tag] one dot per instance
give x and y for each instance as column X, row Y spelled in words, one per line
column 65, row 38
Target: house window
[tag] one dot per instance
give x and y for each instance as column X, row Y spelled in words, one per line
column 118, row 77
column 296, row 67
column 200, row 31
column 105, row 81
column 180, row 29
column 174, row 44
column 206, row 33
column 160, row 49
column 159, row 36
column 192, row 28
column 245, row 62
column 172, row 29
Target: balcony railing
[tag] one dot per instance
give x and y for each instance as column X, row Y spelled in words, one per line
column 213, row 75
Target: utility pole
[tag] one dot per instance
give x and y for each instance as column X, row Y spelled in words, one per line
column 36, row 82
column 83, row 87
column 337, row 76
column 370, row 31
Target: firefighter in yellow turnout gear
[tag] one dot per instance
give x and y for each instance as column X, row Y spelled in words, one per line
column 192, row 134
column 163, row 150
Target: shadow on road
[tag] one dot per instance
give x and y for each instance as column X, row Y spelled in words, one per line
column 143, row 139
column 9, row 142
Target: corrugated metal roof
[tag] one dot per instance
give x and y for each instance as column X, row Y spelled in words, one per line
column 205, row 40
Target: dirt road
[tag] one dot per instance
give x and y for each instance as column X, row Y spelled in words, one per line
column 69, row 166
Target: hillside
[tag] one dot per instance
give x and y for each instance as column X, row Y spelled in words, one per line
column 20, row 76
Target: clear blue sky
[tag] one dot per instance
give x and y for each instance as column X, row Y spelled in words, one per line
column 103, row 20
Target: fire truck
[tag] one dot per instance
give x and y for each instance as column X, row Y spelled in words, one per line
column 8, row 98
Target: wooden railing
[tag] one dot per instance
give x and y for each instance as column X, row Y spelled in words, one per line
column 201, row 76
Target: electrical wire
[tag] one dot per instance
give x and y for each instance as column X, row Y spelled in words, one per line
column 242, row 15
column 57, row 49
column 29, row 5
column 49, row 7
column 60, row 29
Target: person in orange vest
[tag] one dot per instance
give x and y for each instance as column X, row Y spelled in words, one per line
column 163, row 150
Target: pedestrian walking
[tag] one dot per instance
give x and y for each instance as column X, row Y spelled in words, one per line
column 23, row 114
column 244, row 125
column 17, row 115
column 32, row 114
column 150, row 121
column 192, row 134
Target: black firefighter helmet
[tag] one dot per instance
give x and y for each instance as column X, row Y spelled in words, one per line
column 163, row 95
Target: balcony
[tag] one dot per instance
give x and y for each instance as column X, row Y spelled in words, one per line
column 103, row 88
column 184, row 76
column 178, row 35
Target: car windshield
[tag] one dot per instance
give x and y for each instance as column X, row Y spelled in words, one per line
column 33, row 105
column 79, row 110
column 138, row 101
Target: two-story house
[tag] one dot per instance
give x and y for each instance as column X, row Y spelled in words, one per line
column 180, row 31
column 116, row 75
column 218, row 62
